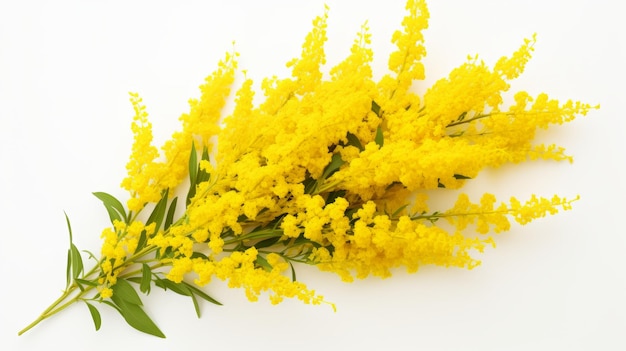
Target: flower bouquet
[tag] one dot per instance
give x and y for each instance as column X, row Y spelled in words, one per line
column 331, row 169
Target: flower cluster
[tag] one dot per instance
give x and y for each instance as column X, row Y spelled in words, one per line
column 331, row 169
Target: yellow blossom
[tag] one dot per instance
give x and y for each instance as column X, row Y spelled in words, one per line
column 331, row 168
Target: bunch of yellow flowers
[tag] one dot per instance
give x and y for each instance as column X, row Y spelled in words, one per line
column 331, row 169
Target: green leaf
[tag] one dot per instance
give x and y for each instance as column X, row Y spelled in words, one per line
column 135, row 316
column 354, row 141
column 68, row 269
column 309, row 184
column 72, row 266
column 193, row 173
column 380, row 141
column 86, row 282
column 460, row 176
column 167, row 253
column 136, row 280
column 202, row 294
column 178, row 288
column 267, row 242
column 457, row 134
column 107, row 302
column 169, row 218
column 95, row 315
column 113, row 206
column 304, row 241
column 335, row 163
column 185, row 289
column 462, row 116
column 191, row 193
column 158, row 213
column 203, row 175
column 262, row 262
column 77, row 261
column 398, row 211
column 124, row 291
column 69, row 227
column 193, row 165
column 375, row 108
column 293, row 272
column 141, row 243
column 205, row 154
column 91, row 255
column 196, row 306
column 146, row 279
column 197, row 254
column 334, row 195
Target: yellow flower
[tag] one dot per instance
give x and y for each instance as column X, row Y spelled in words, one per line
column 106, row 293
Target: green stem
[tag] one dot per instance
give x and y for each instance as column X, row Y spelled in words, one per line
column 260, row 234
column 73, row 293
column 477, row 117
column 137, row 271
column 61, row 303
column 327, row 187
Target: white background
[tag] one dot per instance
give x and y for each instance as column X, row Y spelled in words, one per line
column 65, row 70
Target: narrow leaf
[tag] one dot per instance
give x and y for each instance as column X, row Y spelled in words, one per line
column 354, row 141
column 193, row 174
column 169, row 218
column 460, row 176
column 86, row 282
column 335, row 163
column 203, row 175
column 178, row 288
column 186, row 289
column 91, row 255
column 262, row 262
column 136, row 317
column 334, row 195
column 375, row 108
column 107, row 302
column 398, row 211
column 113, row 206
column 193, row 165
column 304, row 241
column 309, row 184
column 77, row 261
column 205, row 154
column 197, row 254
column 146, row 279
column 202, row 294
column 380, row 141
column 68, row 269
column 141, row 243
column 158, row 213
column 124, row 291
column 191, row 193
column 95, row 315
column 293, row 272
column 196, row 306
column 462, row 116
column 136, row 280
column 113, row 215
column 267, row 242
column 69, row 227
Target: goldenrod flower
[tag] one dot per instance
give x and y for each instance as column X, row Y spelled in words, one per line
column 330, row 170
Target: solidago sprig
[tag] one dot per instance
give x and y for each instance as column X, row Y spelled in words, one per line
column 331, row 171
